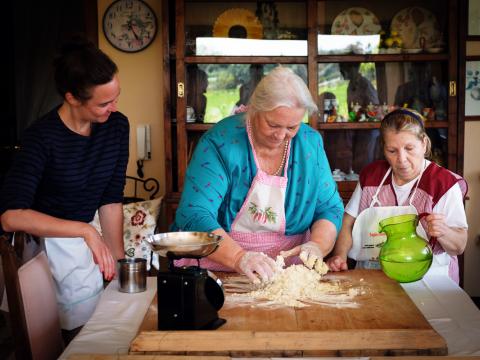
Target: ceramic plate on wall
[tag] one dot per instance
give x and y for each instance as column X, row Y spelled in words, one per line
column 356, row 21
column 414, row 24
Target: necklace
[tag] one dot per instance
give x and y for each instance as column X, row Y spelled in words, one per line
column 285, row 150
column 284, row 157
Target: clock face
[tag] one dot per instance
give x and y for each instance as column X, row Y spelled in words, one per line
column 129, row 25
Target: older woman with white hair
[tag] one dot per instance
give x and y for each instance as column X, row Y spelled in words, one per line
column 262, row 181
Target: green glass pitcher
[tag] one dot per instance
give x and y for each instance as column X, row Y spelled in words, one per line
column 405, row 256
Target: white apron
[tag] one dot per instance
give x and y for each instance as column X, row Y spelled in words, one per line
column 78, row 280
column 367, row 240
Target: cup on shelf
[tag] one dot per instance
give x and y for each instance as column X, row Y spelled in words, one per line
column 190, row 114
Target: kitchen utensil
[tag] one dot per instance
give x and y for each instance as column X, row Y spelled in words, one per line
column 405, row 256
column 178, row 245
column 132, row 275
column 188, row 297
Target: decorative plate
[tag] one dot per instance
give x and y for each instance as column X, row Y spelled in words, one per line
column 417, row 27
column 356, row 21
column 238, row 23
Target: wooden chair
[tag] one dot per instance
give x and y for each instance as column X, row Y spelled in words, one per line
column 150, row 185
column 31, row 298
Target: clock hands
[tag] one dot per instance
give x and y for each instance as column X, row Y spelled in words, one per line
column 130, row 27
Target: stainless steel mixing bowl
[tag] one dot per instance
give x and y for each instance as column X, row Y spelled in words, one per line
column 184, row 244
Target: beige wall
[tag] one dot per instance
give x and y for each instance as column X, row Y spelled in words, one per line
column 472, row 175
column 471, row 172
column 141, row 80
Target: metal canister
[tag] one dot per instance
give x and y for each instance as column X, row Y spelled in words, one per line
column 132, row 275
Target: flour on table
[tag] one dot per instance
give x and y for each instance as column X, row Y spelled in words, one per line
column 295, row 286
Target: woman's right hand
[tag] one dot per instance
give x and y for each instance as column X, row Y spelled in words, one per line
column 252, row 263
column 101, row 253
column 337, row 263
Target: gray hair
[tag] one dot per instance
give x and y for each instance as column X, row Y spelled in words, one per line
column 281, row 87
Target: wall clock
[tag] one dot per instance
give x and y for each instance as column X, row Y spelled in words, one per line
column 129, row 25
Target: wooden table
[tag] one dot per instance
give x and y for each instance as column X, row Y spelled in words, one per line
column 387, row 322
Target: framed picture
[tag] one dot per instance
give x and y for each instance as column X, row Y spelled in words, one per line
column 472, row 88
column 473, row 18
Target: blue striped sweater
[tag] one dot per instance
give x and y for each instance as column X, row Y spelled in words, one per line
column 63, row 174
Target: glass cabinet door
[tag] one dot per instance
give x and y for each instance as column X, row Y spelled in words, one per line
column 371, row 59
column 360, row 59
column 377, row 27
column 215, row 91
column 362, row 93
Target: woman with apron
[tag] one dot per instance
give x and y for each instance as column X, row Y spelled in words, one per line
column 71, row 163
column 262, row 181
column 406, row 183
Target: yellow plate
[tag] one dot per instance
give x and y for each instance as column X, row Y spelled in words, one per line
column 238, row 17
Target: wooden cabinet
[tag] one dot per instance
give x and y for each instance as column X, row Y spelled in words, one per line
column 216, row 51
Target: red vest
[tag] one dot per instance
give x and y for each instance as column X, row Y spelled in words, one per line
column 434, row 183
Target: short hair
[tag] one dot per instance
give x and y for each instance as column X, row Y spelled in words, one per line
column 281, row 87
column 79, row 66
column 407, row 120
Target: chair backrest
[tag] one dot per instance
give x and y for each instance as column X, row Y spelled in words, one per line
column 31, row 298
column 150, row 186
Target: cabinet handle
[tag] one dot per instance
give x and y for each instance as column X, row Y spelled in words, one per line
column 180, row 90
column 453, row 88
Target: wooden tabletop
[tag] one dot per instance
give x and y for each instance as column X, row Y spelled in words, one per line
column 386, row 322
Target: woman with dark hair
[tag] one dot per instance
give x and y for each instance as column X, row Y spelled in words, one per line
column 406, row 182
column 71, row 163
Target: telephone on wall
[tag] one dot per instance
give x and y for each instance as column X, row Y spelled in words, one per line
column 143, row 142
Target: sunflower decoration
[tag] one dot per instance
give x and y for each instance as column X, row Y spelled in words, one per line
column 238, row 23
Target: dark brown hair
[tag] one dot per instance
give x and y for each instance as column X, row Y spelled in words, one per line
column 80, row 66
column 407, row 120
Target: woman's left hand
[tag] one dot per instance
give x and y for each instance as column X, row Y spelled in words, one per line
column 453, row 240
column 436, row 225
column 310, row 253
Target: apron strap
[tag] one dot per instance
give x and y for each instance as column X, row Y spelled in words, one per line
column 417, row 183
column 375, row 196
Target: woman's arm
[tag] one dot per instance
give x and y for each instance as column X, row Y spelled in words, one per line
column 338, row 261
column 42, row 225
column 452, row 239
column 111, row 221
column 229, row 252
column 448, row 222
column 323, row 233
column 205, row 187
